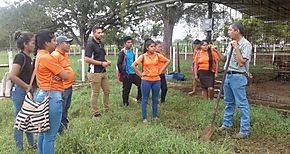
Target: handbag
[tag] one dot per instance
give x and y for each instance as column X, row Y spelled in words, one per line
column 33, row 116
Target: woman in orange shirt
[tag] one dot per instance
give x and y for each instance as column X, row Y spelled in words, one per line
column 48, row 71
column 206, row 69
column 150, row 75
column 162, row 75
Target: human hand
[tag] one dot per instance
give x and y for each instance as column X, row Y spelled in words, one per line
column 234, row 44
column 144, row 73
column 109, row 63
column 57, row 78
column 105, row 64
column 215, row 75
column 29, row 95
column 28, row 88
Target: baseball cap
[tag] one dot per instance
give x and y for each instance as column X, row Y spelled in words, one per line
column 61, row 39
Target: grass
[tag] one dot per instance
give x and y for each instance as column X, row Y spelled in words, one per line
column 182, row 118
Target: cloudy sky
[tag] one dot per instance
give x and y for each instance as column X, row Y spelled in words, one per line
column 179, row 32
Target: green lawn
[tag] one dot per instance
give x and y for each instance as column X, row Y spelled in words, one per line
column 182, row 118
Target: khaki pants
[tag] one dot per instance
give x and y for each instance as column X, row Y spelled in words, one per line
column 99, row 80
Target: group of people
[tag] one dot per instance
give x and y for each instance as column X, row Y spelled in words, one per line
column 204, row 67
column 151, row 77
column 55, row 76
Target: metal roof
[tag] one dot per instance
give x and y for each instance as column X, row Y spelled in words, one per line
column 267, row 10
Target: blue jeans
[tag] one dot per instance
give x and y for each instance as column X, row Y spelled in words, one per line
column 18, row 95
column 46, row 139
column 67, row 94
column 235, row 93
column 146, row 86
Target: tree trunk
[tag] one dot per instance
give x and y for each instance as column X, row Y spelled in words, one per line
column 167, row 31
column 83, row 38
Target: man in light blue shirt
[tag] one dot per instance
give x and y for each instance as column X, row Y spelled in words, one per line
column 126, row 58
column 236, row 80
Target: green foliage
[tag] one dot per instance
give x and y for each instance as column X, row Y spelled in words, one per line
column 22, row 16
column 82, row 15
column 258, row 31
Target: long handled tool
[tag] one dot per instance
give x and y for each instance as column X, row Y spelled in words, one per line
column 209, row 130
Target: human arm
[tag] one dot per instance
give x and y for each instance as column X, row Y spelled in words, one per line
column 14, row 76
column 97, row 62
column 89, row 51
column 239, row 57
column 17, row 67
column 216, row 69
column 135, row 64
column 221, row 56
column 120, row 61
column 242, row 52
column 195, row 67
column 165, row 65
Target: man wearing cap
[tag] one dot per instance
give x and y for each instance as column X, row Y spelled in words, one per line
column 61, row 54
column 236, row 80
column 196, row 51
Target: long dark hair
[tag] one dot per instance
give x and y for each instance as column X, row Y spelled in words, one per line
column 147, row 43
column 22, row 38
column 210, row 58
column 42, row 37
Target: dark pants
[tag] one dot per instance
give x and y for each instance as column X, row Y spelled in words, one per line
column 163, row 87
column 67, row 94
column 127, row 84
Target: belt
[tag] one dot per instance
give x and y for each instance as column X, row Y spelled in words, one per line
column 235, row 72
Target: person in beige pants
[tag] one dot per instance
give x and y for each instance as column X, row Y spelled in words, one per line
column 95, row 56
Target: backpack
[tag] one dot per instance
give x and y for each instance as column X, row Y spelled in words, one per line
column 118, row 73
column 6, row 84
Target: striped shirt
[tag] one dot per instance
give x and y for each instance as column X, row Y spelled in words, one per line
column 246, row 50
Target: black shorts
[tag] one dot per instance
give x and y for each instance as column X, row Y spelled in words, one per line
column 206, row 78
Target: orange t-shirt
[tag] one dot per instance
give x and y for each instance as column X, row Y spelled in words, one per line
column 47, row 67
column 63, row 60
column 162, row 63
column 196, row 52
column 151, row 65
column 202, row 60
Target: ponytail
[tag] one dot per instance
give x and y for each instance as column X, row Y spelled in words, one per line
column 22, row 38
column 210, row 59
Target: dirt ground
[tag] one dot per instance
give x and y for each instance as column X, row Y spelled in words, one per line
column 272, row 93
column 266, row 92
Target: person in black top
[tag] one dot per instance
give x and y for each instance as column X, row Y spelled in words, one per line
column 126, row 58
column 20, row 74
column 95, row 56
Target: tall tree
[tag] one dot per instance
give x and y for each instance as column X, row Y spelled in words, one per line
column 22, row 16
column 79, row 16
column 171, row 14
